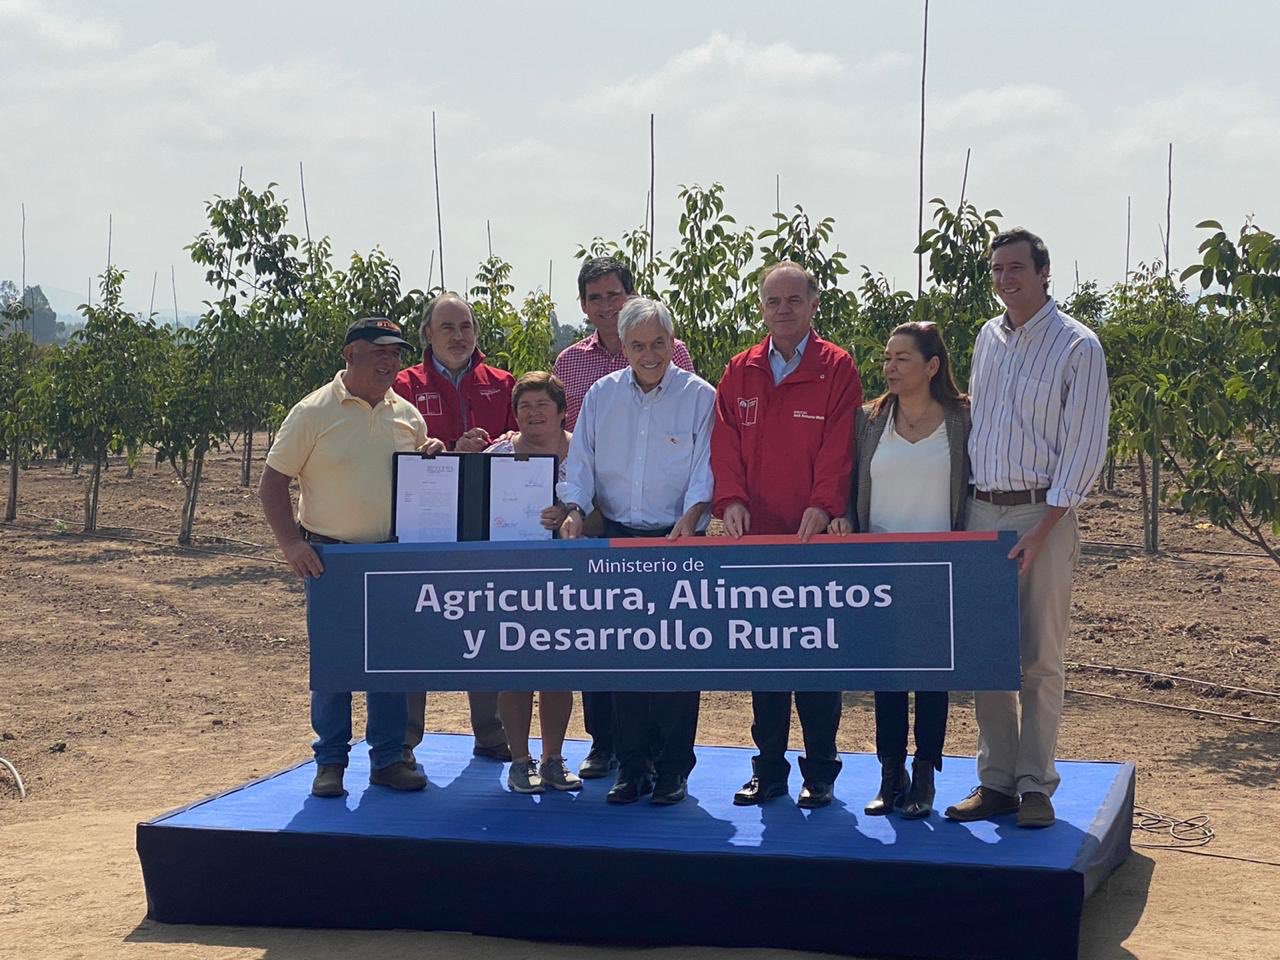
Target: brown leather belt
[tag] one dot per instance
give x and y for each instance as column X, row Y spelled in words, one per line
column 1011, row 498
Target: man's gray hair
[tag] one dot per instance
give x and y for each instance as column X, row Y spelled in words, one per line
column 424, row 328
column 639, row 310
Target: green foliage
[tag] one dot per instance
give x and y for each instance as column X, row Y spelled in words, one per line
column 708, row 287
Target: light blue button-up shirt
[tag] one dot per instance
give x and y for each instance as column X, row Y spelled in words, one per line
column 780, row 366
column 454, row 378
column 645, row 456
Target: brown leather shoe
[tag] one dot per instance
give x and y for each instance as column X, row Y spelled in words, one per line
column 1036, row 810
column 983, row 804
column 328, row 781
column 398, row 776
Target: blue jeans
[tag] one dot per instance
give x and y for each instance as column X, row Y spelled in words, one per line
column 384, row 731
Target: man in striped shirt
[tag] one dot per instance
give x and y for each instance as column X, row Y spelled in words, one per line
column 1038, row 388
column 605, row 284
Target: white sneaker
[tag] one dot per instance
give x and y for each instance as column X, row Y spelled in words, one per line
column 523, row 776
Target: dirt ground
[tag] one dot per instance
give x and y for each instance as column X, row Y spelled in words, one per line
column 136, row 676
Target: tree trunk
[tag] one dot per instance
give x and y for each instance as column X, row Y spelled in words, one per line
column 1153, row 535
column 91, row 497
column 1146, row 507
column 1111, row 472
column 193, row 492
column 246, row 461
column 11, row 504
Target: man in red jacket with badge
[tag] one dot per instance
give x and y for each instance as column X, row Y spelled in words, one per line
column 466, row 404
column 781, row 454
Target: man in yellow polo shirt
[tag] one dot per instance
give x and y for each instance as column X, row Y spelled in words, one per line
column 338, row 443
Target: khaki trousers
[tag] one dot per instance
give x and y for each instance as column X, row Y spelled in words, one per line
column 1018, row 732
column 485, row 724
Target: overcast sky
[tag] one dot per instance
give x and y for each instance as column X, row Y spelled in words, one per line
column 146, row 111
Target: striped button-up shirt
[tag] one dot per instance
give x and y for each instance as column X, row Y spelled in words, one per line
column 645, row 456
column 1040, row 407
column 583, row 363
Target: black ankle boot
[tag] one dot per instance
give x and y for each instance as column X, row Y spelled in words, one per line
column 919, row 802
column 894, row 784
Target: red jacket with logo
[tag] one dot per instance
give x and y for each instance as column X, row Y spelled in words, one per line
column 782, row 449
column 482, row 399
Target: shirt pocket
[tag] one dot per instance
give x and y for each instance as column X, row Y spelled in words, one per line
column 1031, row 401
column 674, row 456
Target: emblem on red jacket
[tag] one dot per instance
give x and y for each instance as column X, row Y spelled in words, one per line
column 429, row 404
column 747, row 411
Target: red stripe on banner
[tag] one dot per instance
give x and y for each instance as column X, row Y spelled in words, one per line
column 945, row 536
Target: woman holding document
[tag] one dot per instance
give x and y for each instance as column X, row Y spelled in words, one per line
column 911, row 475
column 539, row 402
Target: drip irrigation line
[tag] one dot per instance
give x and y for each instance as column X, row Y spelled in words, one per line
column 1171, row 676
column 169, row 545
column 1174, row 706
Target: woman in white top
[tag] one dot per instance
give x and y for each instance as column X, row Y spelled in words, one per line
column 911, row 475
column 539, row 402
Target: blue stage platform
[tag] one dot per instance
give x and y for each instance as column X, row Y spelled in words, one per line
column 468, row 855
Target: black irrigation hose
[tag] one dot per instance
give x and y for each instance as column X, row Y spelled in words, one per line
column 1170, row 676
column 1174, row 706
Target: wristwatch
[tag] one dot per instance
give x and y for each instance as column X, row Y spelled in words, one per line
column 570, row 507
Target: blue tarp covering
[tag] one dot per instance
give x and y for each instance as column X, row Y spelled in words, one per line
column 408, row 860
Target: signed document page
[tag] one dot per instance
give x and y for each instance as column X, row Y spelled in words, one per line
column 519, row 490
column 426, row 505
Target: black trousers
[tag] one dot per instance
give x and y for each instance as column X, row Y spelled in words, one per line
column 771, row 722
column 931, row 725
column 597, row 717
column 597, row 705
column 656, row 730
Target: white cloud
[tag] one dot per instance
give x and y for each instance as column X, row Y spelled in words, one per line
column 1239, row 118
column 1012, row 105
column 41, row 21
column 725, row 62
column 518, row 153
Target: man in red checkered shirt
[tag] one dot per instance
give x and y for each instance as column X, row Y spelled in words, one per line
column 604, row 285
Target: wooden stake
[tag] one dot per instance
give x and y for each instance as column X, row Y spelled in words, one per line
column 151, row 310
column 924, row 61
column 777, row 194
column 431, row 270
column 964, row 182
column 435, row 166
column 1128, row 233
column 652, row 199
column 108, row 242
column 26, row 300
column 488, row 232
column 173, row 282
column 306, row 220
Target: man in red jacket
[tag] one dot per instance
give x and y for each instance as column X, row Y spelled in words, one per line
column 466, row 404
column 781, row 453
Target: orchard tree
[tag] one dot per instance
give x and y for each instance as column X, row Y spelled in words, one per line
column 100, row 392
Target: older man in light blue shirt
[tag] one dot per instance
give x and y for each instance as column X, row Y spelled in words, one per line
column 642, row 449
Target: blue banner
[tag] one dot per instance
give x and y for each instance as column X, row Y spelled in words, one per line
column 919, row 612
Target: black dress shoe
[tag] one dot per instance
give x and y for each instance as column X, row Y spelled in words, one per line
column 919, row 801
column 669, row 789
column 756, row 791
column 499, row 752
column 894, row 784
column 629, row 789
column 597, row 764
column 814, row 795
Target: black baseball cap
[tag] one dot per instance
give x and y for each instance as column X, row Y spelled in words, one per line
column 377, row 330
